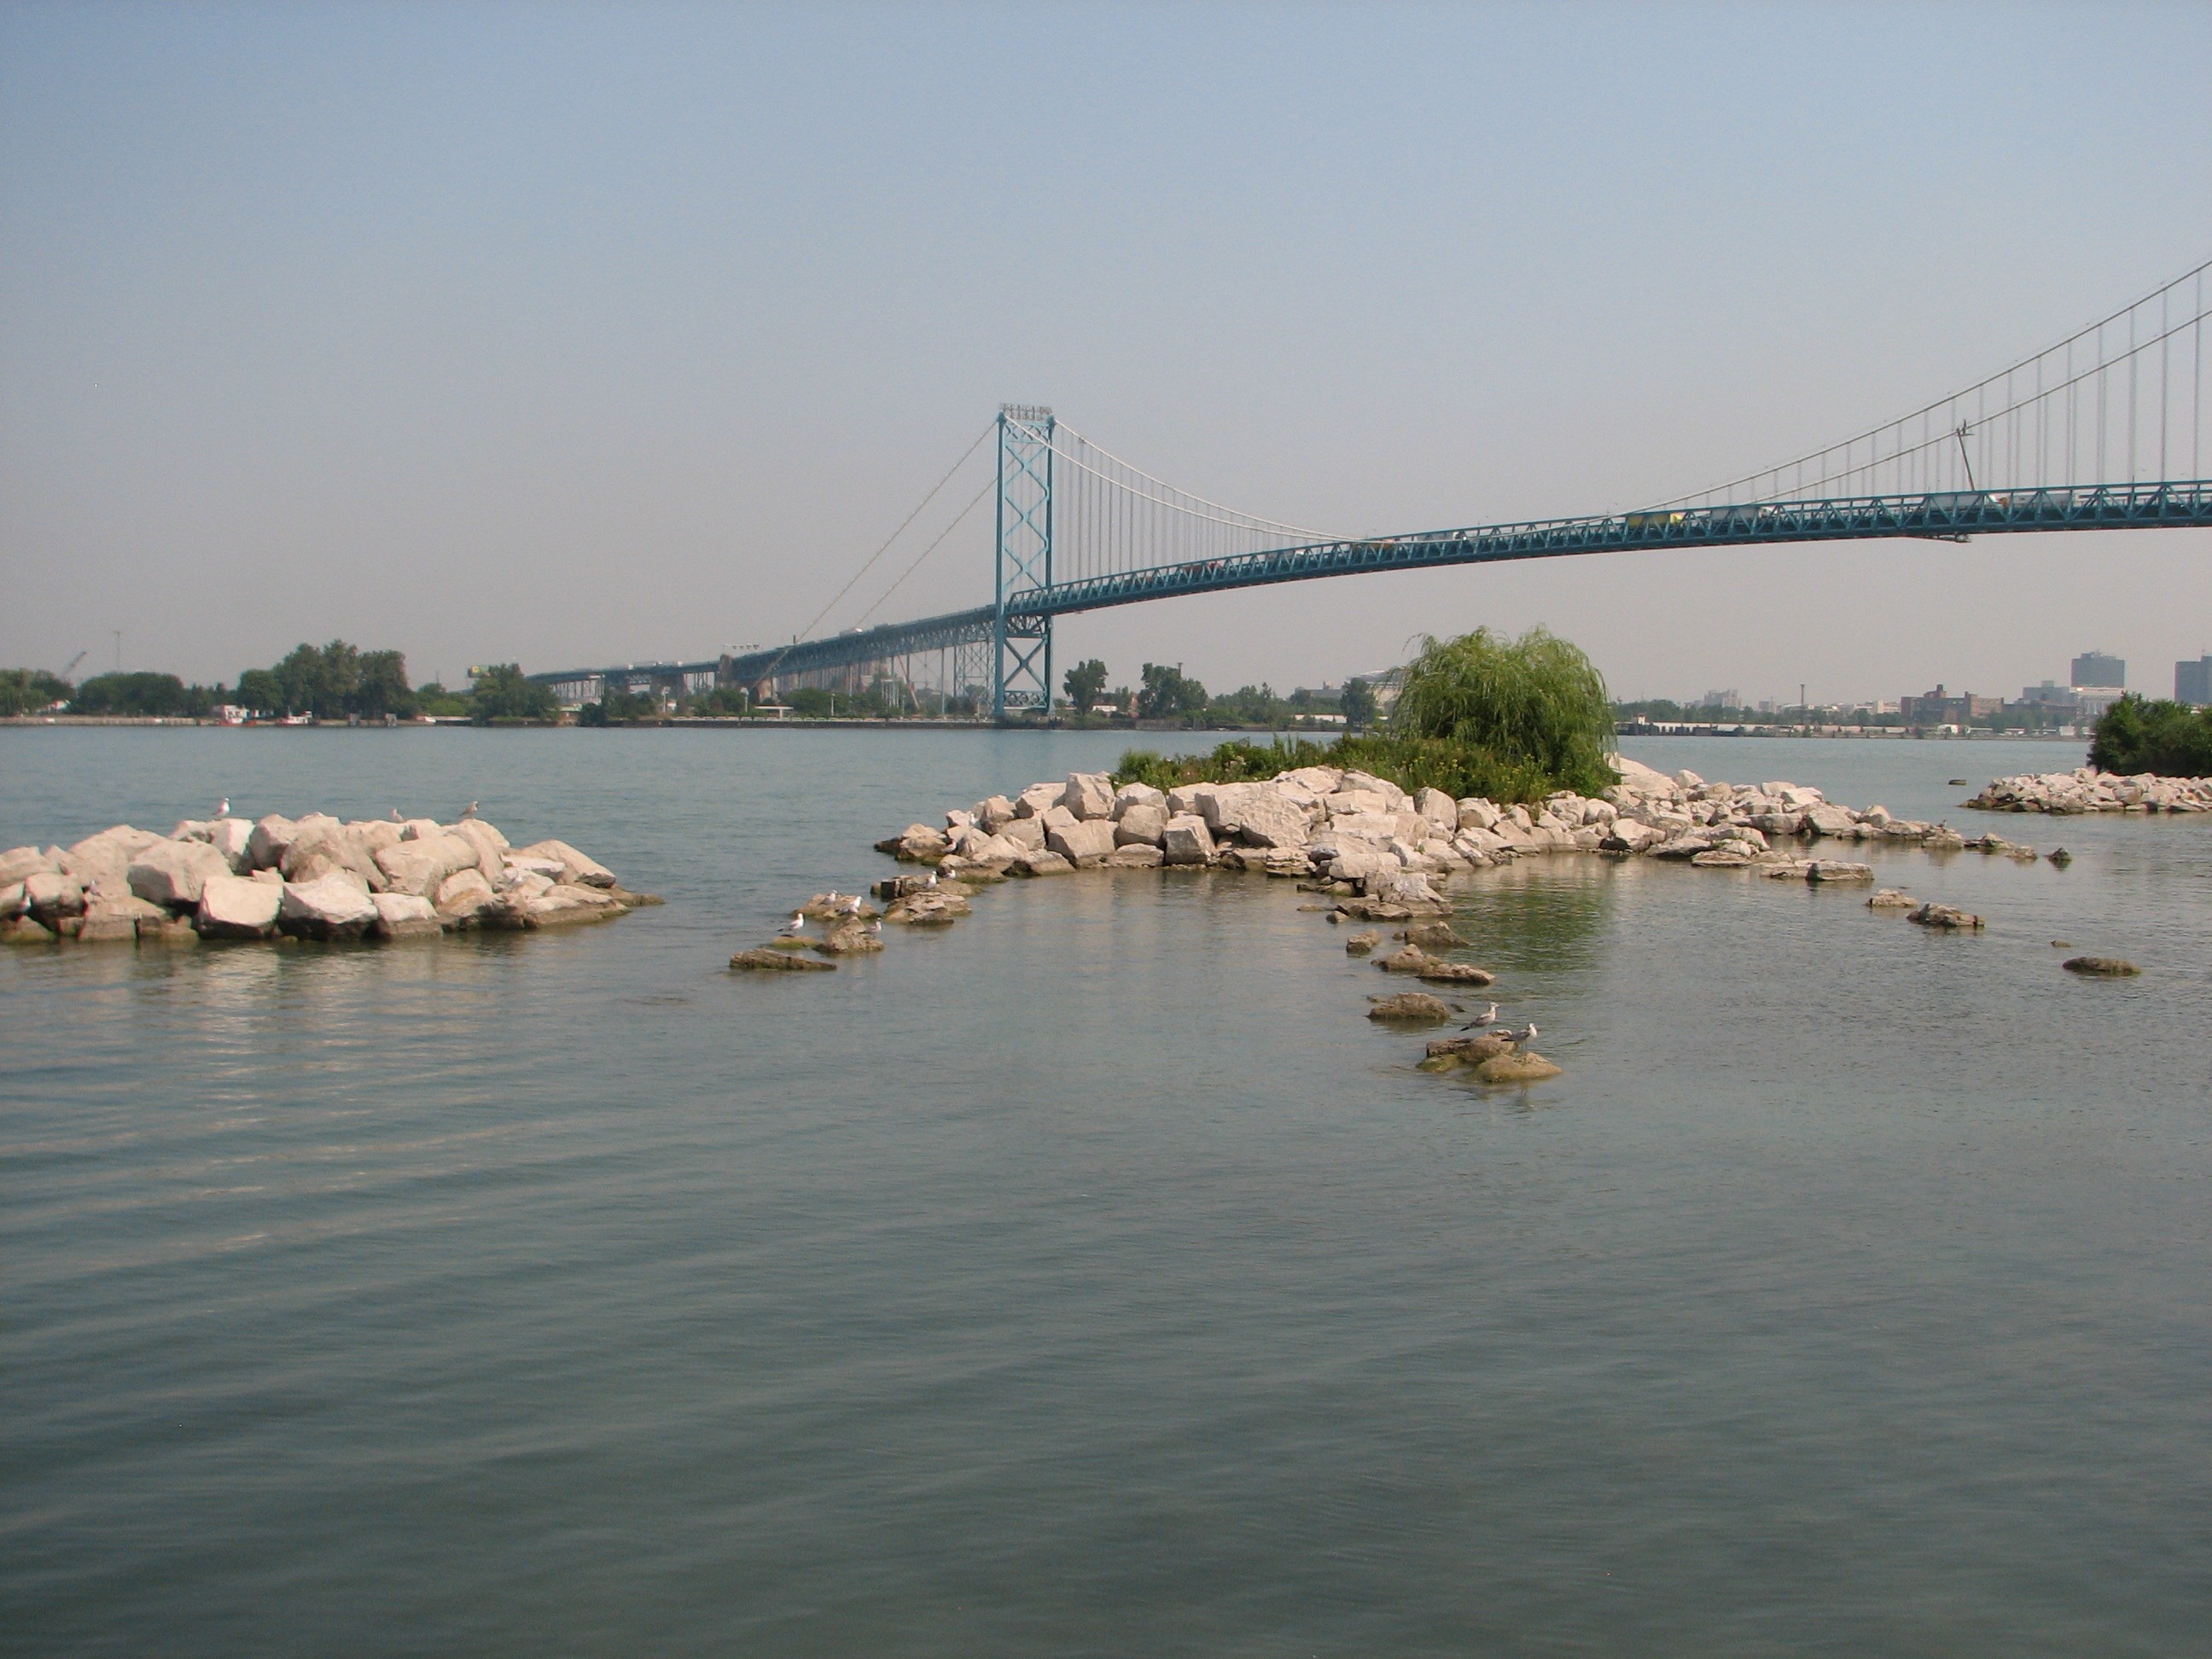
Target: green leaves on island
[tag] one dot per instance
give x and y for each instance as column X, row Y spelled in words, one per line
column 1509, row 720
column 2138, row 735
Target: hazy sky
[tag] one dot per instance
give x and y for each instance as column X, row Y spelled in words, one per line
column 584, row 333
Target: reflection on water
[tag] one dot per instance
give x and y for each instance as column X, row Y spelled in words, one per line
column 1094, row 1276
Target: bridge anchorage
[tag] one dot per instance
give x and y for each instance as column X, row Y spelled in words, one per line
column 2103, row 431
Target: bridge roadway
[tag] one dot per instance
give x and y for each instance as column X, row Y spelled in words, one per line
column 1955, row 516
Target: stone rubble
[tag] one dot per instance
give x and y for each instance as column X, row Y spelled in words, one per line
column 1367, row 836
column 312, row 878
column 2087, row 790
column 1381, row 851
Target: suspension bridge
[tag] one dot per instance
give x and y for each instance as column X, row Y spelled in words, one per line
column 2103, row 431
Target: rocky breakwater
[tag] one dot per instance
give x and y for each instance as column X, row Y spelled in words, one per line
column 1382, row 852
column 312, row 878
column 1365, row 835
column 2087, row 790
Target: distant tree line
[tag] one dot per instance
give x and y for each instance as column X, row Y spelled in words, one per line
column 334, row 682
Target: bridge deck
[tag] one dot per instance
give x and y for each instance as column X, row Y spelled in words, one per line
column 1953, row 515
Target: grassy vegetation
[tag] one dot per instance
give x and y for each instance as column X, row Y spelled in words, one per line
column 2170, row 739
column 1481, row 715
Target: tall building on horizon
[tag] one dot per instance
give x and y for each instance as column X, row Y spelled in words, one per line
column 2192, row 680
column 2095, row 668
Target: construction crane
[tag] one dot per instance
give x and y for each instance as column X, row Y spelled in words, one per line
column 73, row 662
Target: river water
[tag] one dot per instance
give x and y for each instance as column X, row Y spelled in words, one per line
column 1093, row 1278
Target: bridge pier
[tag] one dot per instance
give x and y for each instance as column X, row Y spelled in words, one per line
column 1021, row 675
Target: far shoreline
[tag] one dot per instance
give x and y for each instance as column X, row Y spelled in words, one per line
column 717, row 722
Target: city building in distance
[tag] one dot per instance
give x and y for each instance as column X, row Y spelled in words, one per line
column 2094, row 668
column 2192, row 680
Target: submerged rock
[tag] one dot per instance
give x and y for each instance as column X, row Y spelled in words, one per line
column 1360, row 943
column 851, row 940
column 1837, row 870
column 1946, row 918
column 1524, row 1066
column 1411, row 960
column 777, row 962
column 1413, row 1006
column 2101, row 967
column 1456, row 973
column 1891, row 898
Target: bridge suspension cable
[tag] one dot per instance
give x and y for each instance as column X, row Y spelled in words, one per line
column 1111, row 516
column 2122, row 401
column 869, row 563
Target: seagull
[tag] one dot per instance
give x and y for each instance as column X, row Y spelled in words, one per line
column 395, row 819
column 852, row 905
column 1487, row 1018
column 1526, row 1034
column 223, row 807
column 796, row 925
column 931, row 882
column 469, row 810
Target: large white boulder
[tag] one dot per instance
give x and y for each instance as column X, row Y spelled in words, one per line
column 1033, row 801
column 175, row 872
column 1397, row 798
column 480, row 834
column 1089, row 795
column 1141, row 823
column 323, row 846
column 18, row 862
column 1319, row 781
column 462, row 895
column 1129, row 795
column 231, row 837
column 50, row 893
column 577, row 869
column 238, row 907
column 404, row 916
column 994, row 813
column 330, row 907
column 1269, row 817
column 1438, row 809
column 416, row 866
column 1826, row 820
column 567, row 903
column 373, row 833
column 100, row 863
column 1185, row 840
column 117, row 920
column 1084, row 842
column 265, row 844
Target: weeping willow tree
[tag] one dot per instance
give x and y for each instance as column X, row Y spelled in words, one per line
column 1535, row 703
column 1508, row 720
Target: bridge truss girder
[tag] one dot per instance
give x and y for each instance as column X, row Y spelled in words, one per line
column 1954, row 515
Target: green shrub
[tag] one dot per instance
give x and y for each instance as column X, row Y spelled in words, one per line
column 1535, row 703
column 1508, row 720
column 2138, row 735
